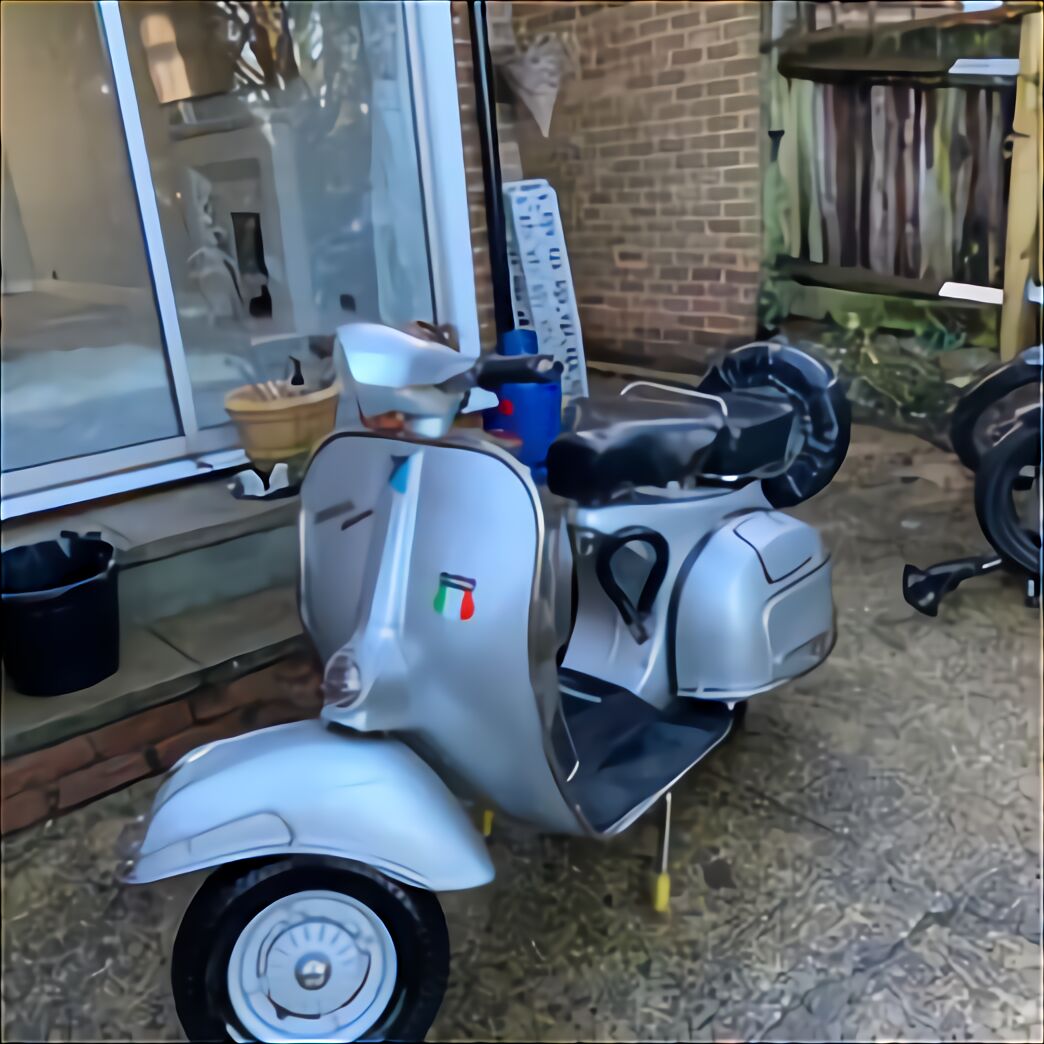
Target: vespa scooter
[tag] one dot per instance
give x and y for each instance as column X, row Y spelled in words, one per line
column 563, row 655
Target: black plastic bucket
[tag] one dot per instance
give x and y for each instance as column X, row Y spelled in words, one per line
column 61, row 625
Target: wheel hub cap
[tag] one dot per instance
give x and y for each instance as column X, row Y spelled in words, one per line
column 314, row 965
column 312, row 971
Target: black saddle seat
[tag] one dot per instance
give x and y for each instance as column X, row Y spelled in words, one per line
column 658, row 436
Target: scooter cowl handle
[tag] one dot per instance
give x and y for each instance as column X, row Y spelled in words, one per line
column 635, row 616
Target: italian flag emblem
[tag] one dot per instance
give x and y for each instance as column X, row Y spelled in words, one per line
column 454, row 597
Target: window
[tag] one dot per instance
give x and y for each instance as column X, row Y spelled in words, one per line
column 83, row 366
column 195, row 192
column 284, row 159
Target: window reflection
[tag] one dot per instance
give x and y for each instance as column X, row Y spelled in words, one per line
column 282, row 148
column 82, row 366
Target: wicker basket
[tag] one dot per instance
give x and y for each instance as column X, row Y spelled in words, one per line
column 284, row 427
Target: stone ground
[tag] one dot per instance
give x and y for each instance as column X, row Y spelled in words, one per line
column 862, row 863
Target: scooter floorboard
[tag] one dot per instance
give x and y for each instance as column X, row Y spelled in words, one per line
column 629, row 750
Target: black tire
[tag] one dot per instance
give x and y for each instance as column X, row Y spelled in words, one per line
column 968, row 436
column 995, row 479
column 233, row 895
column 816, row 396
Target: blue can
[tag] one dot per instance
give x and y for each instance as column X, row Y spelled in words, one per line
column 531, row 413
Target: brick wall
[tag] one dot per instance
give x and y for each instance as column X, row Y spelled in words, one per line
column 654, row 153
column 48, row 782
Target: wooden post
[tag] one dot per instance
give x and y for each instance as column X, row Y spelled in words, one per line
column 1019, row 318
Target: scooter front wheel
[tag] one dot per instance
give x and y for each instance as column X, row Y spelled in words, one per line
column 309, row 949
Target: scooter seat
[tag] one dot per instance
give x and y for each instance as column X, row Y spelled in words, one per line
column 652, row 440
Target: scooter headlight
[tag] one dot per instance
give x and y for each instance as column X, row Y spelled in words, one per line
column 342, row 681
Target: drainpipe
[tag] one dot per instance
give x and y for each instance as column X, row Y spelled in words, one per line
column 486, row 112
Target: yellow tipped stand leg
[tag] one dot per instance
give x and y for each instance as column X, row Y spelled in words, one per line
column 487, row 822
column 661, row 893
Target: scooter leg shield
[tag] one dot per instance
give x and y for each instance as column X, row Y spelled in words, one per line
column 307, row 788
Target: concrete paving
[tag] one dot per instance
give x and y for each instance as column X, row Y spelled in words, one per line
column 862, row 863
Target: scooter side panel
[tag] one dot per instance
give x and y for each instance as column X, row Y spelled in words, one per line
column 308, row 788
column 433, row 592
column 753, row 608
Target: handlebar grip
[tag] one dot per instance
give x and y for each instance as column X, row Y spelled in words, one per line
column 492, row 371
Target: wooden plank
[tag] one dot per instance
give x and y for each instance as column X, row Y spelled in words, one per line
column 799, row 43
column 828, row 148
column 908, row 216
column 796, row 37
column 789, row 169
column 891, row 166
column 907, row 71
column 996, row 201
column 879, row 259
column 1024, row 237
column 961, row 183
column 859, row 279
column 811, row 144
column 979, row 321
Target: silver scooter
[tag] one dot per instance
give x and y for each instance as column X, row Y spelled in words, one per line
column 563, row 655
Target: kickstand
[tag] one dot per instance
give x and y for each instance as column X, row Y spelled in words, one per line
column 662, row 879
column 924, row 589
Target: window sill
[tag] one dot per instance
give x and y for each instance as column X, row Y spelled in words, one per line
column 159, row 523
column 15, row 503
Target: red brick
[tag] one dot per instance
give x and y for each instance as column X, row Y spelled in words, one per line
column 307, row 698
column 653, row 26
column 44, row 766
column 24, row 809
column 137, row 732
column 706, row 108
column 687, row 57
column 739, row 103
column 742, row 66
column 692, row 90
column 721, row 12
column 100, row 778
column 174, row 747
column 669, row 76
column 686, row 21
column 718, row 88
column 742, row 27
column 723, row 50
column 216, row 700
column 275, row 714
column 672, row 111
column 742, row 208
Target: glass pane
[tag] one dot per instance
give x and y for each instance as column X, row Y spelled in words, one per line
column 81, row 353
column 283, row 152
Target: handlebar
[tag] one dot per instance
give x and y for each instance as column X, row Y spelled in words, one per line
column 492, row 371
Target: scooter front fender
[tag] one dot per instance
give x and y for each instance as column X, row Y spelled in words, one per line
column 308, row 788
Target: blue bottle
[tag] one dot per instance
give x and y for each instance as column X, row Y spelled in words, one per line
column 531, row 413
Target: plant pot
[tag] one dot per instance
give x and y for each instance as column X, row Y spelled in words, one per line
column 284, row 428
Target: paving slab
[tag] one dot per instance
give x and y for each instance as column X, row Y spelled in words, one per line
column 216, row 634
column 151, row 672
column 175, row 655
column 168, row 521
column 862, row 862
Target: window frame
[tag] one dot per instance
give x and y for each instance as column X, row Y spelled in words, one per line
column 428, row 32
